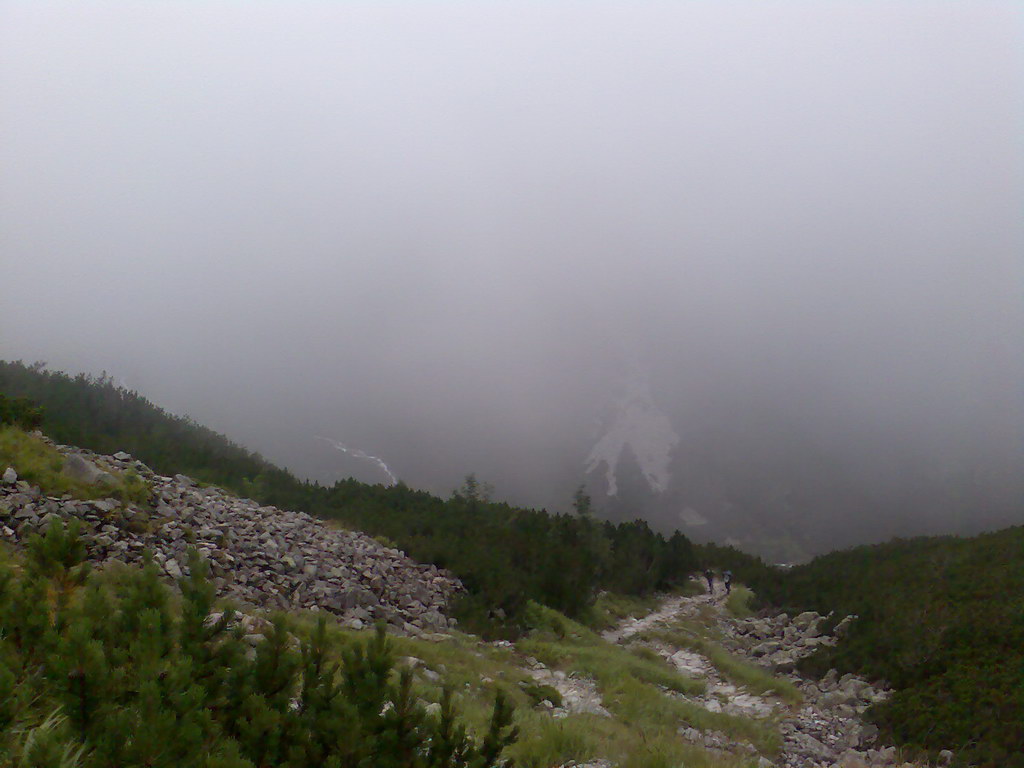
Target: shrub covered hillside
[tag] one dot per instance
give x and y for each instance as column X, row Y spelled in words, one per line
column 505, row 556
column 116, row 670
column 941, row 619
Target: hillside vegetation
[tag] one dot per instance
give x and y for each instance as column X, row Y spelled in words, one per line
column 942, row 620
column 505, row 556
column 115, row 669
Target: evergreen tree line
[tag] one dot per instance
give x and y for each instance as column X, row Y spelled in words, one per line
column 942, row 620
column 20, row 412
column 122, row 672
column 505, row 556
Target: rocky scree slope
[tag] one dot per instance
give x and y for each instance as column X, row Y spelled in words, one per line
column 259, row 556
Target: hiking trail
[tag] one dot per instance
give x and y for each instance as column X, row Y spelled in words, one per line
column 819, row 721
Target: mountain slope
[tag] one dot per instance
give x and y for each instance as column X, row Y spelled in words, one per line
column 505, row 556
column 942, row 620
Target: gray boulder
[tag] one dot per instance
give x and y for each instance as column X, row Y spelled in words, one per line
column 78, row 468
column 806, row 619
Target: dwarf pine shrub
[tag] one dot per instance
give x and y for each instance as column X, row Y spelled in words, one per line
column 97, row 672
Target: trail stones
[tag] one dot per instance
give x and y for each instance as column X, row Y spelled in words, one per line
column 579, row 694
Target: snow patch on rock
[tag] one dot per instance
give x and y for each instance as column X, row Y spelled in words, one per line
column 638, row 423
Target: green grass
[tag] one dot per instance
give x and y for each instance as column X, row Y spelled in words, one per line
column 609, row 609
column 755, row 679
column 475, row 671
column 547, row 742
column 633, row 684
column 640, row 735
column 610, row 662
column 738, row 602
column 42, row 465
column 645, row 707
column 563, row 643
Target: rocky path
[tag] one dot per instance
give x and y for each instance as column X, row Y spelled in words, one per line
column 824, row 731
column 672, row 608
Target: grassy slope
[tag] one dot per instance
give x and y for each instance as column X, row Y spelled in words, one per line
column 635, row 687
column 42, row 465
column 640, row 735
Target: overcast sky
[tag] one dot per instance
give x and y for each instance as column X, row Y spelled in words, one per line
column 436, row 229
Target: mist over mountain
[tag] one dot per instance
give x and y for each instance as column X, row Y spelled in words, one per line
column 788, row 484
column 754, row 267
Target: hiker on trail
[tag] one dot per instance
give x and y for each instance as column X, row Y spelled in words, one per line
column 710, row 576
column 727, row 579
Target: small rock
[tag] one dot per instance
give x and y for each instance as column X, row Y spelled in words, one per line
column 10, row 477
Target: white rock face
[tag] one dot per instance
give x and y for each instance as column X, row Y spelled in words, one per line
column 645, row 428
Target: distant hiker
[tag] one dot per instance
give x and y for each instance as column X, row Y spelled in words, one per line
column 727, row 579
column 710, row 576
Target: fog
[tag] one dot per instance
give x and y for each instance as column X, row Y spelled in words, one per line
column 442, row 233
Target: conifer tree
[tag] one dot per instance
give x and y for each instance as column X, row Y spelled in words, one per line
column 449, row 745
column 500, row 735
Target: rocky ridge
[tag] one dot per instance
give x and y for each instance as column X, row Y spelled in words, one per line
column 259, row 556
